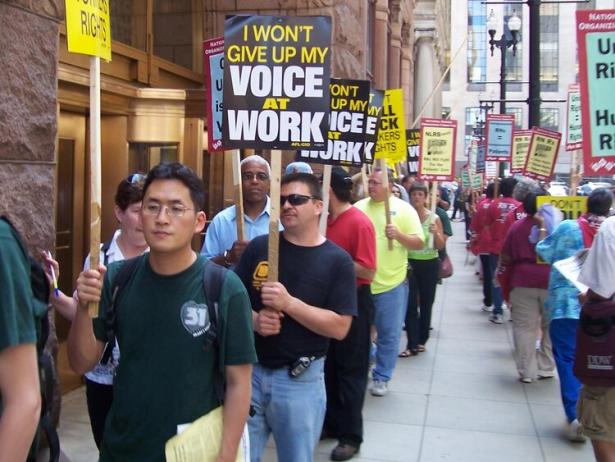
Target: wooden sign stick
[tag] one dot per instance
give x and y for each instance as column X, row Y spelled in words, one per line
column 385, row 185
column 496, row 186
column 273, row 257
column 364, row 180
column 326, row 182
column 95, row 169
column 434, row 204
column 241, row 234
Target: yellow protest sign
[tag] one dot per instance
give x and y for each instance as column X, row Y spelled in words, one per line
column 437, row 149
column 542, row 154
column 521, row 143
column 392, row 130
column 88, row 27
column 571, row 206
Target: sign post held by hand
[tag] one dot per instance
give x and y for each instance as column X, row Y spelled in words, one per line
column 384, row 174
column 326, row 182
column 273, row 257
column 238, row 193
column 88, row 31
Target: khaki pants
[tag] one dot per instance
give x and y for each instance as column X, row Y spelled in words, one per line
column 528, row 309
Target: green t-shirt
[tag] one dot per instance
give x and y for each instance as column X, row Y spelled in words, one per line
column 392, row 264
column 165, row 376
column 19, row 312
column 428, row 252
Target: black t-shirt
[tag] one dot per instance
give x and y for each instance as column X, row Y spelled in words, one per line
column 321, row 276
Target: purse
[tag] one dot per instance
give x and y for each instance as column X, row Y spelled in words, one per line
column 446, row 267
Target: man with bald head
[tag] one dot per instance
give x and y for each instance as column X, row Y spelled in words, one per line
column 389, row 286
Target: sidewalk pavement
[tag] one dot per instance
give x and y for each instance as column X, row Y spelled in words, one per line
column 459, row 401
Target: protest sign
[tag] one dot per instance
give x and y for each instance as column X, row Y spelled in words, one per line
column 596, row 41
column 374, row 112
column 542, row 154
column 347, row 119
column 213, row 63
column 491, row 169
column 520, row 147
column 437, row 159
column 473, row 154
column 88, row 28
column 571, row 206
column 574, row 133
column 413, row 141
column 499, row 129
column 276, row 82
column 480, row 157
column 476, row 180
column 465, row 178
column 391, row 144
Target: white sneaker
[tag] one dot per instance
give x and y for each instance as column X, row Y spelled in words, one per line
column 379, row 388
column 574, row 432
column 496, row 318
column 486, row 309
column 526, row 380
column 546, row 374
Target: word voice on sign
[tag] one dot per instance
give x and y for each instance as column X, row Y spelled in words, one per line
column 291, row 81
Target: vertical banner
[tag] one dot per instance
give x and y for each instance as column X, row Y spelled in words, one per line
column 438, row 139
column 596, row 41
column 476, row 180
column 374, row 112
column 213, row 69
column 520, row 147
column 413, row 144
column 391, row 144
column 276, row 82
column 473, row 155
column 542, row 154
column 480, row 157
column 88, row 28
column 465, row 178
column 499, row 129
column 574, row 131
column 347, row 120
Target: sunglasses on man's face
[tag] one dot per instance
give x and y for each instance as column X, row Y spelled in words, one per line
column 296, row 199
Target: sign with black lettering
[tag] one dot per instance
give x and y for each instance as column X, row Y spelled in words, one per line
column 213, row 63
column 480, row 157
column 596, row 41
column 276, row 82
column 571, row 206
column 574, row 132
column 521, row 145
column 413, row 144
column 88, row 28
column 392, row 131
column 438, row 139
column 374, row 112
column 499, row 129
column 542, row 154
column 347, row 120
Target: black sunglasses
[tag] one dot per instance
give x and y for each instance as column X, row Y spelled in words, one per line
column 296, row 199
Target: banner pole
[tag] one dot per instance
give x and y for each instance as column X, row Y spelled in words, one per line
column 238, row 191
column 385, row 184
column 326, row 182
column 574, row 180
column 95, row 169
column 496, row 185
column 364, row 180
column 434, row 204
column 274, row 216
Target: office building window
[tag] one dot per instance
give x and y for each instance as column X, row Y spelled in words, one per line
column 474, row 124
column 549, row 118
column 518, row 113
column 477, row 42
column 129, row 22
column 514, row 63
column 549, row 47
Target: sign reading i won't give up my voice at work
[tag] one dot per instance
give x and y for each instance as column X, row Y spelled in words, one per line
column 276, row 82
column 347, row 124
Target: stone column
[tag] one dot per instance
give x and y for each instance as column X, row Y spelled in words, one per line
column 394, row 63
column 425, row 75
column 380, row 45
column 407, row 75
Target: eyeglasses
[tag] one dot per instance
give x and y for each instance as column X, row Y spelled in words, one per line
column 136, row 178
column 175, row 210
column 296, row 199
column 249, row 176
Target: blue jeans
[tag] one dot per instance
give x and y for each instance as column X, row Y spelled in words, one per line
column 496, row 292
column 564, row 339
column 292, row 408
column 389, row 312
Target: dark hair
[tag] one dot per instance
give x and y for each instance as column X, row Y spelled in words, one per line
column 182, row 173
column 342, row 194
column 599, row 201
column 129, row 191
column 307, row 179
column 507, row 186
column 490, row 190
column 529, row 201
column 416, row 186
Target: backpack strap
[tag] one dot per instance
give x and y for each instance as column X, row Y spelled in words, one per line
column 213, row 279
column 104, row 248
column 121, row 278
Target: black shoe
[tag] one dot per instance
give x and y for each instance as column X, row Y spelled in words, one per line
column 344, row 451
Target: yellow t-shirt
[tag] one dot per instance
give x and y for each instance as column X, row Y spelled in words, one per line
column 392, row 264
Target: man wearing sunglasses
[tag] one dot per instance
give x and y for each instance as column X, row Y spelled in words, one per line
column 221, row 243
column 390, row 286
column 294, row 318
